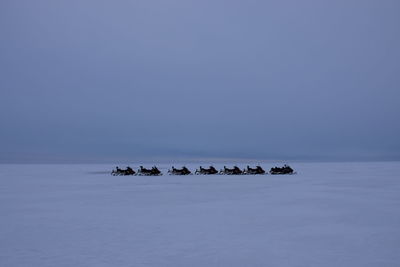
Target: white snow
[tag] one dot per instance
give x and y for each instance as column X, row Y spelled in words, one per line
column 329, row 214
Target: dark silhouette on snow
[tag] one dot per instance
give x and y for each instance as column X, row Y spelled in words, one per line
column 257, row 170
column 183, row 171
column 120, row 172
column 286, row 169
column 154, row 171
column 204, row 171
column 234, row 171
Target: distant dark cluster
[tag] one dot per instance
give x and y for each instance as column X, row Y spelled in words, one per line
column 211, row 170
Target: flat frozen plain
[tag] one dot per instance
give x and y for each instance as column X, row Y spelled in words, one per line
column 329, row 214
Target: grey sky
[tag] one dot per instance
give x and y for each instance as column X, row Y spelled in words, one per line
column 113, row 80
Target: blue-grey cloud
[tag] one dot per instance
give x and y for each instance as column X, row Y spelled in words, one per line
column 109, row 80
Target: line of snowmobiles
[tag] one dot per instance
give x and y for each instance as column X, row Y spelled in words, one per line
column 154, row 171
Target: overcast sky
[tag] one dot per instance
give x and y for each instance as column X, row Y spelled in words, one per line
column 165, row 79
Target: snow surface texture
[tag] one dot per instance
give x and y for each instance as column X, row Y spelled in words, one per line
column 329, row 214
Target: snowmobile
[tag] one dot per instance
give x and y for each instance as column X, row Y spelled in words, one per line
column 257, row 170
column 183, row 171
column 234, row 171
column 286, row 169
column 120, row 172
column 204, row 171
column 154, row 171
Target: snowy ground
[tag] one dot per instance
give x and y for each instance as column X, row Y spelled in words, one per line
column 329, row 214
